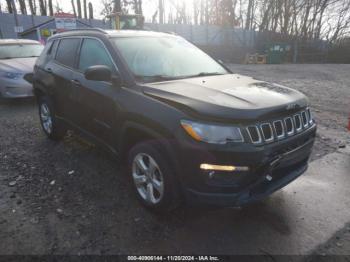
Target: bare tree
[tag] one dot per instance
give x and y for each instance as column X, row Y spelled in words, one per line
column 58, row 8
column 73, row 7
column 79, row 8
column 85, row 10
column 22, row 7
column 108, row 7
column 91, row 11
column 31, row 7
column 42, row 6
column 50, row 8
column 249, row 17
column 9, row 6
column 289, row 19
column 342, row 26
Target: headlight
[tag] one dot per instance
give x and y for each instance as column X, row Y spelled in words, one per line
column 11, row 75
column 213, row 134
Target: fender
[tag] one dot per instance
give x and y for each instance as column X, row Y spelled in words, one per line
column 143, row 128
column 165, row 139
column 169, row 144
column 38, row 87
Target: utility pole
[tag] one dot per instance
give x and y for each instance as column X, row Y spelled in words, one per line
column 15, row 14
column 117, row 6
column 161, row 11
column 207, row 21
column 207, row 12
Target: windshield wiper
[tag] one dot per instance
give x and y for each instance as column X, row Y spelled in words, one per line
column 206, row 74
column 157, row 78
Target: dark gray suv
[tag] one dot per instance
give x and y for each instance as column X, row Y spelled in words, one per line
column 188, row 127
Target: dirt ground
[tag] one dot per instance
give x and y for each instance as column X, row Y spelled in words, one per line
column 73, row 198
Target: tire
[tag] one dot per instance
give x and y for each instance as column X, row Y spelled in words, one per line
column 52, row 127
column 165, row 188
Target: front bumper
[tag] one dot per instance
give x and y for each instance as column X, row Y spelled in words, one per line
column 271, row 167
column 15, row 88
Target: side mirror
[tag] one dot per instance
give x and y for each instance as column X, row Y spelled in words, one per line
column 98, row 73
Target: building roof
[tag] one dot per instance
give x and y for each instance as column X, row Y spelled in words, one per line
column 29, row 30
column 17, row 41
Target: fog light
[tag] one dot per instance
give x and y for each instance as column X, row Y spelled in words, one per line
column 223, row 168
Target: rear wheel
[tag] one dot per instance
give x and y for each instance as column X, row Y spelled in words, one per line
column 153, row 177
column 52, row 127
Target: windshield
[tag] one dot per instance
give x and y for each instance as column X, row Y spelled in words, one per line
column 165, row 58
column 20, row 50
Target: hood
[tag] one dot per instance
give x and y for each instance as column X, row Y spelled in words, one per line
column 231, row 96
column 21, row 65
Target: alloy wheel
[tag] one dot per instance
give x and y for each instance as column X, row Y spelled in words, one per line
column 46, row 118
column 148, row 178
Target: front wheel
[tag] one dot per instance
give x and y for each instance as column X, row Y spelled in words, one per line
column 153, row 177
column 51, row 126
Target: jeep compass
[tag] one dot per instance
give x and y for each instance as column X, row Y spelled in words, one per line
column 188, row 128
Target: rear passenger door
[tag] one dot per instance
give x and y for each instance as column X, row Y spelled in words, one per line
column 61, row 68
column 95, row 98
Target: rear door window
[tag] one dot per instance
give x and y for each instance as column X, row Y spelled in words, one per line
column 67, row 50
column 53, row 49
column 45, row 54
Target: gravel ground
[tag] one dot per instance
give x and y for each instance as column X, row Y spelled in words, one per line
column 66, row 198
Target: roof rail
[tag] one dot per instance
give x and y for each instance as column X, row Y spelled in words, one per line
column 88, row 29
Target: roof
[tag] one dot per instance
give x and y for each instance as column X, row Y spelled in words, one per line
column 130, row 33
column 17, row 41
column 116, row 33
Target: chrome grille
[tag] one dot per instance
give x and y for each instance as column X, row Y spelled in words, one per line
column 297, row 122
column 304, row 118
column 254, row 134
column 267, row 132
column 278, row 129
column 289, row 126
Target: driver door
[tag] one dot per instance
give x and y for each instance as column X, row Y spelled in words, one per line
column 96, row 98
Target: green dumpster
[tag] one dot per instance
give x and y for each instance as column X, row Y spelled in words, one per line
column 277, row 53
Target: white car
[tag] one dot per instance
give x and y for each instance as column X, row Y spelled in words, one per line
column 17, row 58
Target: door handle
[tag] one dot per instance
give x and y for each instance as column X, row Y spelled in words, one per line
column 49, row 70
column 75, row 82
